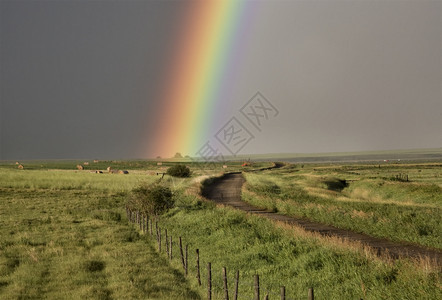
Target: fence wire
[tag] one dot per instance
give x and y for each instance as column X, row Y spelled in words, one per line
column 188, row 260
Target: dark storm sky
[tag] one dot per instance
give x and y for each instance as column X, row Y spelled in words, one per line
column 80, row 79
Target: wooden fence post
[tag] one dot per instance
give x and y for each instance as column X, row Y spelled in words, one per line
column 159, row 239
column 187, row 261
column 256, row 287
column 166, row 239
column 311, row 295
column 283, row 293
column 182, row 254
column 151, row 225
column 170, row 249
column 198, row 274
column 226, row 289
column 209, row 281
column 236, row 285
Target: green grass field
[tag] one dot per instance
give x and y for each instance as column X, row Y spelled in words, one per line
column 363, row 198
column 286, row 257
column 64, row 234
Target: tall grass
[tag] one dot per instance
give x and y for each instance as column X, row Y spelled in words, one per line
column 286, row 257
column 369, row 203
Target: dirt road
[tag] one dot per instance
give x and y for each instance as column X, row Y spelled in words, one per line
column 227, row 190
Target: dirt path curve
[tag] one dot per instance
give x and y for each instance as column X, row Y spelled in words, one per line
column 227, row 190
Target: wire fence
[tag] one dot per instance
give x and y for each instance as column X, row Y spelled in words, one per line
column 219, row 284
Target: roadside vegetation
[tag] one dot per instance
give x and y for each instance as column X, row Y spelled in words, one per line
column 179, row 171
column 366, row 198
column 290, row 257
column 151, row 199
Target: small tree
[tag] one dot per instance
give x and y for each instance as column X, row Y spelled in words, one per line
column 151, row 200
column 179, row 171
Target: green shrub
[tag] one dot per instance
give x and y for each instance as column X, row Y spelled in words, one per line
column 179, row 171
column 151, row 199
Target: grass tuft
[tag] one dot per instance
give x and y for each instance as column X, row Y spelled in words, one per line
column 94, row 265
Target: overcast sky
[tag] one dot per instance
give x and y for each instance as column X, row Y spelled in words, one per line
column 79, row 79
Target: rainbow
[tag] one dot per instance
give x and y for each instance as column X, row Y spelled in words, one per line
column 200, row 72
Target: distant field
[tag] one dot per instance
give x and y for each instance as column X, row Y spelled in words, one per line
column 373, row 199
column 366, row 156
column 135, row 166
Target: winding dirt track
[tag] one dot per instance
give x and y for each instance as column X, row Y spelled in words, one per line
column 227, row 191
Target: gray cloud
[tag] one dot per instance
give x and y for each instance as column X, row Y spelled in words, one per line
column 81, row 79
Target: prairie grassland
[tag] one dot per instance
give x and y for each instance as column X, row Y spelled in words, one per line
column 363, row 198
column 64, row 236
